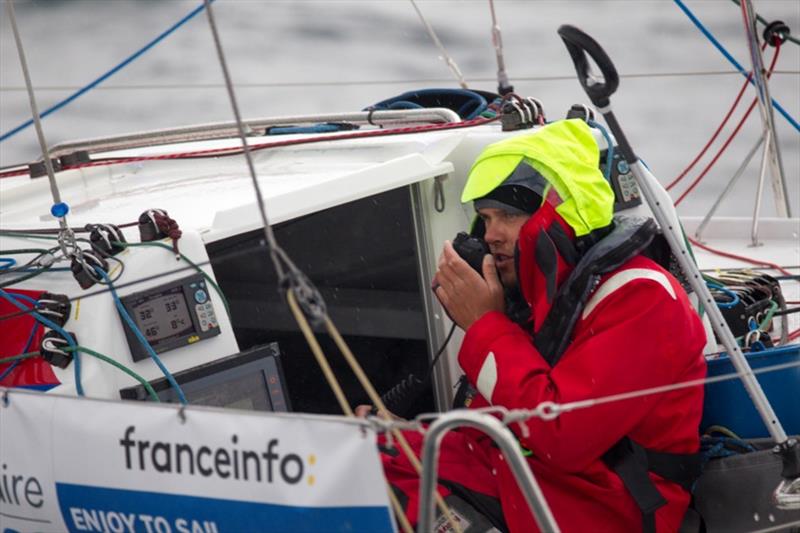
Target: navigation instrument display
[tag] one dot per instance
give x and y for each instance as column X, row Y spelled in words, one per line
column 170, row 316
column 163, row 315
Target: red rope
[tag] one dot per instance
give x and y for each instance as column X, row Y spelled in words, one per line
column 234, row 150
column 731, row 137
column 740, row 257
column 717, row 132
column 169, row 227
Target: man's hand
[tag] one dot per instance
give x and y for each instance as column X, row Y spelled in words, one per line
column 465, row 295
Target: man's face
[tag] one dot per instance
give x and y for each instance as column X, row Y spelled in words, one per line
column 502, row 231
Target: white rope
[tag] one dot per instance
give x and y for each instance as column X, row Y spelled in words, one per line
column 445, row 56
column 551, row 410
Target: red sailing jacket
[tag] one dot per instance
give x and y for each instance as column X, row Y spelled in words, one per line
column 637, row 330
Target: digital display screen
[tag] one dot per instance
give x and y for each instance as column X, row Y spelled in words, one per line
column 163, row 315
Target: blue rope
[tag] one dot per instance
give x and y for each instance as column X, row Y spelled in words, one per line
column 727, row 292
column 16, row 363
column 7, row 262
column 609, row 150
column 128, row 320
column 12, row 298
column 108, row 74
column 731, row 59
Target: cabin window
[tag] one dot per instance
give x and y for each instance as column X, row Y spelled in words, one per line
column 362, row 256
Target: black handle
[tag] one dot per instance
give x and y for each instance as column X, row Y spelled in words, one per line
column 579, row 45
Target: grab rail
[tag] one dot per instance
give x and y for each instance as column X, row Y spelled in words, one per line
column 222, row 130
column 501, row 435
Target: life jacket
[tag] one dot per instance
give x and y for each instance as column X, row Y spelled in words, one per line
column 562, row 251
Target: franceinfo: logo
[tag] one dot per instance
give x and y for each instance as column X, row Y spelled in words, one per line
column 267, row 465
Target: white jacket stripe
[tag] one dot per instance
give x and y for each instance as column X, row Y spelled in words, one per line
column 619, row 279
column 487, row 377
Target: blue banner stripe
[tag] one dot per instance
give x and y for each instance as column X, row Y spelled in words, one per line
column 86, row 509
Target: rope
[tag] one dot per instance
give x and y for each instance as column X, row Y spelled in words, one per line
column 717, row 132
column 302, row 322
column 449, row 60
column 66, row 238
column 194, row 265
column 168, row 227
column 107, row 75
column 731, row 59
column 12, row 299
column 763, row 21
column 730, row 138
column 295, row 278
column 140, row 337
column 276, row 144
column 112, row 362
column 375, row 398
column 20, row 357
column 361, row 83
column 757, row 262
column 330, row 377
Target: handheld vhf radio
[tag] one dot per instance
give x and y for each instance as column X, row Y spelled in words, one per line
column 472, row 250
column 399, row 398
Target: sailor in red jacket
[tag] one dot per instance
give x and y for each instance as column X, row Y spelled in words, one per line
column 567, row 309
column 604, row 320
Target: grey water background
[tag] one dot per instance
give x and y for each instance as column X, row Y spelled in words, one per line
column 304, row 56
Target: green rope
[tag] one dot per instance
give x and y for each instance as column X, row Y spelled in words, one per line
column 25, row 251
column 27, row 355
column 25, row 277
column 112, row 362
column 195, row 266
column 768, row 317
column 28, row 235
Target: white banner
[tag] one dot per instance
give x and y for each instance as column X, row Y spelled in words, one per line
column 71, row 464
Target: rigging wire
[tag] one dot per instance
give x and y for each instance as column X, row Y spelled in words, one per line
column 445, row 56
column 717, row 132
column 83, row 90
column 730, row 58
column 503, row 85
column 361, row 83
column 59, row 209
column 762, row 20
column 730, row 138
column 294, row 282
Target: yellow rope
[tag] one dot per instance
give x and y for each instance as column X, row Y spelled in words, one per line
column 384, row 413
column 317, row 350
column 337, row 391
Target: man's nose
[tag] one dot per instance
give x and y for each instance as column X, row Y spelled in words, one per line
column 493, row 234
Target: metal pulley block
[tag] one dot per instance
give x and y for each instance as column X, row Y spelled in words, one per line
column 105, row 239
column 52, row 349
column 83, row 268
